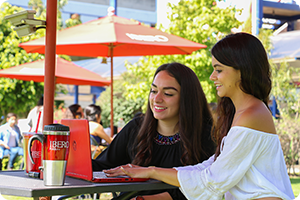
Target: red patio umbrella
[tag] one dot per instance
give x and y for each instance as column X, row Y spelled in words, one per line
column 66, row 73
column 114, row 36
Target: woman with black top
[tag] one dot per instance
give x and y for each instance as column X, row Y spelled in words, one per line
column 175, row 130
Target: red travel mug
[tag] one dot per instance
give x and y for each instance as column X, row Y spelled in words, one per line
column 55, row 150
column 36, row 149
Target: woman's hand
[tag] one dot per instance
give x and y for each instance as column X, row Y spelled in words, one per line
column 130, row 170
column 167, row 175
column 6, row 146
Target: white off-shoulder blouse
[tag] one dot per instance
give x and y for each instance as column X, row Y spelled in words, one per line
column 251, row 165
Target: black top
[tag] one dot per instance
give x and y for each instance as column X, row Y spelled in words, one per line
column 167, row 151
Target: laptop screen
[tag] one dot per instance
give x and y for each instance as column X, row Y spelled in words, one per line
column 79, row 161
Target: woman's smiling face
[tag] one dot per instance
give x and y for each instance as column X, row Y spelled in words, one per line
column 164, row 97
column 226, row 78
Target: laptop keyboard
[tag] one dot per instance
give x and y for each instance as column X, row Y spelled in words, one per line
column 99, row 175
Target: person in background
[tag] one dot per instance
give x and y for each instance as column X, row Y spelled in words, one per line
column 10, row 140
column 74, row 111
column 93, row 114
column 1, row 119
column 274, row 108
column 35, row 116
column 174, row 131
column 248, row 162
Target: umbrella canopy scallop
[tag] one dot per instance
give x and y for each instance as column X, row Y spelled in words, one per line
column 66, row 73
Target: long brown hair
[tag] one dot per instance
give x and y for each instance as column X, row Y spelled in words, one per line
column 194, row 119
column 243, row 52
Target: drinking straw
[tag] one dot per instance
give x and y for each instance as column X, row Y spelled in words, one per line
column 38, row 122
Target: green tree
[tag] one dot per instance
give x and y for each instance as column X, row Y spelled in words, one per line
column 15, row 95
column 40, row 9
column 73, row 21
column 288, row 100
column 285, row 90
column 198, row 20
column 123, row 107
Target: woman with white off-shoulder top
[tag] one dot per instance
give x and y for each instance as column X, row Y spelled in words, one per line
column 248, row 162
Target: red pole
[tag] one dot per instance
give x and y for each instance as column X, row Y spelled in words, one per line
column 50, row 61
column 111, row 91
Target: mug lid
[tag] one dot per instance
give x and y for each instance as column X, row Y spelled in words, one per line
column 56, row 127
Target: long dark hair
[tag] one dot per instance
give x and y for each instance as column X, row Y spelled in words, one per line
column 243, row 52
column 73, row 108
column 91, row 111
column 194, row 119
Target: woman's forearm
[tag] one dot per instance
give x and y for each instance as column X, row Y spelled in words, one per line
column 101, row 133
column 166, row 175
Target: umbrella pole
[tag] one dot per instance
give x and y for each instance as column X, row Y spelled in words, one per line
column 111, row 91
column 50, row 62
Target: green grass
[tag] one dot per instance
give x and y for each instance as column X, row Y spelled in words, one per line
column 17, row 163
column 296, row 185
column 16, row 198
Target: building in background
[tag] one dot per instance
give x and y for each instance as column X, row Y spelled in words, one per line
column 144, row 11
